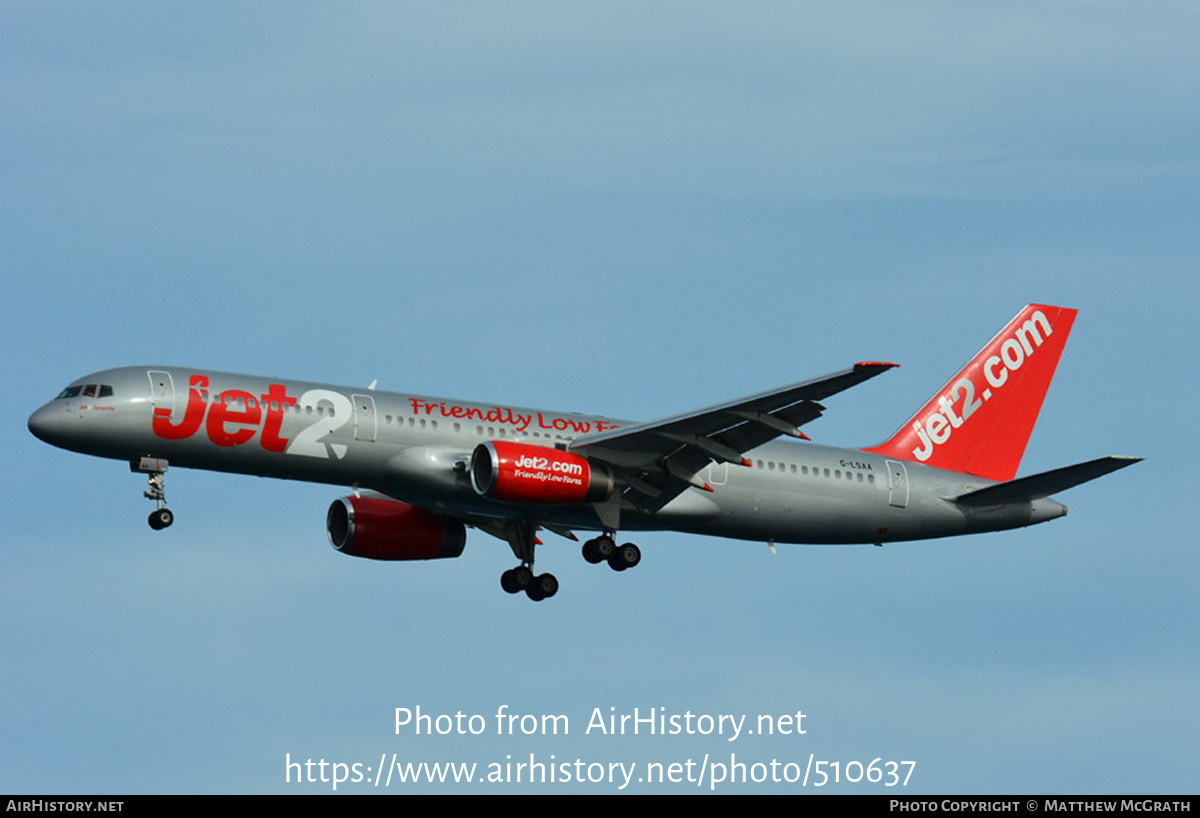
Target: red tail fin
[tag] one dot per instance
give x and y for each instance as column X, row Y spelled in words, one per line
column 980, row 422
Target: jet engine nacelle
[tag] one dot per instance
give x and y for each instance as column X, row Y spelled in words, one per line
column 381, row 529
column 524, row 473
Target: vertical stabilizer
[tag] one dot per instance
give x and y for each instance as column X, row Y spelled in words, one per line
column 980, row 422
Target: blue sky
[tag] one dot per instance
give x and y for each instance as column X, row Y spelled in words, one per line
column 633, row 210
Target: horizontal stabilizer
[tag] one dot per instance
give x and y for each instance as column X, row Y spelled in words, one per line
column 1037, row 486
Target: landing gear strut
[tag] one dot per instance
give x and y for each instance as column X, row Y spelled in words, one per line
column 522, row 538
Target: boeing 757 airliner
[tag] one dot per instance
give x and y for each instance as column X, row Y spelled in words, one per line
column 424, row 469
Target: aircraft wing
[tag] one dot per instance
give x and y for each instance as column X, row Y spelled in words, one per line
column 657, row 460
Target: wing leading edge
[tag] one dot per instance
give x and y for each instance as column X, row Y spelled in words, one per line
column 659, row 459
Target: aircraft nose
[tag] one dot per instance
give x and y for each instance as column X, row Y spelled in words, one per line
column 47, row 423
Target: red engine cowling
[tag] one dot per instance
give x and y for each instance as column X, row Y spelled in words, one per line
column 524, row 473
column 382, row 529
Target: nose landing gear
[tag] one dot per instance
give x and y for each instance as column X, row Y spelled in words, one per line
column 161, row 517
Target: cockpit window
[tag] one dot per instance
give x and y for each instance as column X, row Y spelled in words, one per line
column 91, row 390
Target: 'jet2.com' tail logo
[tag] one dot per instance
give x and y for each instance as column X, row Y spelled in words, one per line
column 981, row 420
column 937, row 427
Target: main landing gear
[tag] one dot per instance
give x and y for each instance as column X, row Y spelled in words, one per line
column 605, row 549
column 522, row 538
column 536, row 587
column 161, row 517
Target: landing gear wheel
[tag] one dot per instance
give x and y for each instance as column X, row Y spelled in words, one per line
column 627, row 556
column 543, row 586
column 161, row 518
column 518, row 579
column 599, row 549
column 508, row 582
